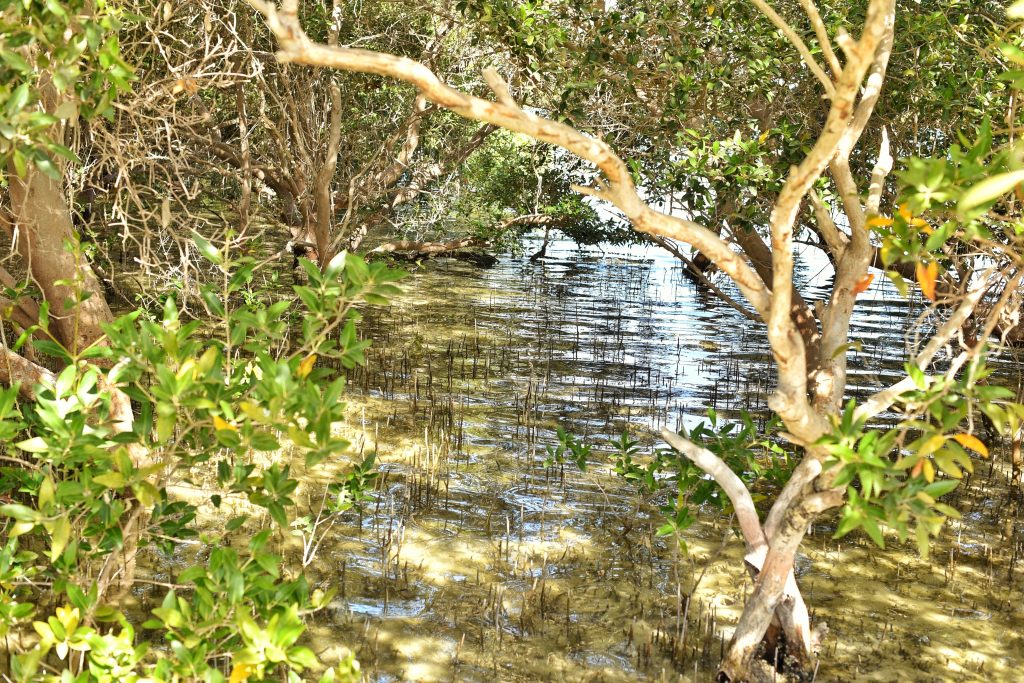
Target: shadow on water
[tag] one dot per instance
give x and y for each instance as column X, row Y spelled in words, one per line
column 474, row 562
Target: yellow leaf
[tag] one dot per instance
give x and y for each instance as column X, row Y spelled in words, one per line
column 929, row 471
column 711, row 10
column 879, row 222
column 972, row 442
column 863, row 283
column 241, row 672
column 68, row 615
column 763, row 136
column 926, row 276
column 904, row 212
column 933, row 444
column 220, row 423
column 306, row 366
column 919, row 223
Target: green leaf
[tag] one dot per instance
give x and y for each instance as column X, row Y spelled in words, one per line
column 302, row 658
column 52, row 348
column 989, row 189
column 874, row 532
column 841, row 350
column 263, row 441
column 210, row 252
column 278, row 514
column 170, row 617
column 851, row 519
column 34, row 445
column 59, row 537
column 15, row 61
column 944, row 459
column 941, row 487
column 165, row 422
column 335, row 265
column 46, row 165
column 923, row 540
column 66, row 109
column 18, row 99
column 898, row 281
column 46, row 494
column 21, row 513
column 112, row 480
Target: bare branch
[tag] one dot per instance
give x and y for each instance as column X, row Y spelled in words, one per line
column 878, row 175
column 799, row 44
column 739, row 496
column 696, row 272
column 15, row 368
column 498, row 87
column 881, row 400
column 822, row 33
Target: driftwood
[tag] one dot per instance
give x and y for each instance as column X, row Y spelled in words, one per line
column 467, row 249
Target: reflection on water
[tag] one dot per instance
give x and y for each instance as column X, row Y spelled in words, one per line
column 476, row 563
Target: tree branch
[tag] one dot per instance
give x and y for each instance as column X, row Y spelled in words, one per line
column 696, row 272
column 790, row 400
column 16, row 369
column 881, row 400
column 796, row 623
column 799, row 44
column 739, row 496
column 883, row 167
column 822, row 33
column 830, row 234
column 297, row 47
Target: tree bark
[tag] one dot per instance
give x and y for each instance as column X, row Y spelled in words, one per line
column 44, row 235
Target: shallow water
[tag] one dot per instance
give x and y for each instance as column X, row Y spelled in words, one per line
column 476, row 563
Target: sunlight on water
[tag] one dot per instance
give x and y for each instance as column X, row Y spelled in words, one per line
column 476, row 563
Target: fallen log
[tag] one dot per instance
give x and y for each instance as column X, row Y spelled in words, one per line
column 465, row 249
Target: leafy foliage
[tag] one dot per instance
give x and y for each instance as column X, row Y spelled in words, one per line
column 58, row 60
column 745, row 446
column 209, row 402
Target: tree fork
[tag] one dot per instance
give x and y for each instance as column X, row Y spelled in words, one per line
column 842, row 129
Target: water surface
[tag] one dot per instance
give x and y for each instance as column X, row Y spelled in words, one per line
column 476, row 563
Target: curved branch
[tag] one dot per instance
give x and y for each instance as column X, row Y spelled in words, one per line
column 619, row 189
column 830, row 234
column 795, row 622
column 881, row 400
column 735, row 489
